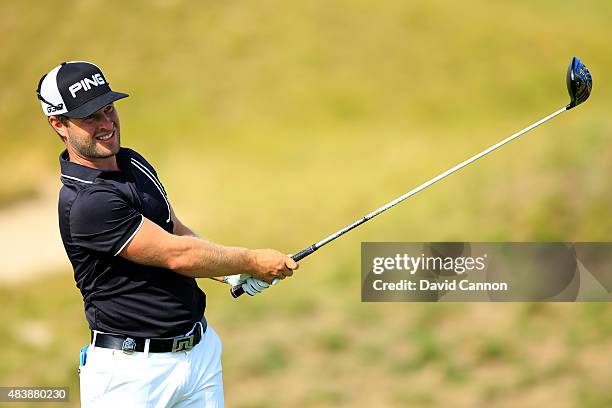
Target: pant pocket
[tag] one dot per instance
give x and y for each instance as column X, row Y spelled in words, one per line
column 95, row 377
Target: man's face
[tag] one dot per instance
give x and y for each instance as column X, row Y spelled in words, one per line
column 96, row 136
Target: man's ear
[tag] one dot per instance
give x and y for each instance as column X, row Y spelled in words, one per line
column 59, row 127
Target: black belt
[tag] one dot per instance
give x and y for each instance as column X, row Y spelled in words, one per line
column 156, row 345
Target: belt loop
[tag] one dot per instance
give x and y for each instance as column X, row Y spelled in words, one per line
column 93, row 341
column 146, row 347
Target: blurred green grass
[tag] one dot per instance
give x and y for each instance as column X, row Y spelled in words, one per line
column 274, row 123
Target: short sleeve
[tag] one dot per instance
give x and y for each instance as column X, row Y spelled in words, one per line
column 103, row 221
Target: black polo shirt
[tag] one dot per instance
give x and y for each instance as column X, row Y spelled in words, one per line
column 99, row 213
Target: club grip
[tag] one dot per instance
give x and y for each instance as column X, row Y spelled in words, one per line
column 304, row 253
column 237, row 291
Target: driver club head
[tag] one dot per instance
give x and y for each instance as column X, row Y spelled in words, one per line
column 579, row 82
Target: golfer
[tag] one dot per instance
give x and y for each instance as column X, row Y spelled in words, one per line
column 134, row 262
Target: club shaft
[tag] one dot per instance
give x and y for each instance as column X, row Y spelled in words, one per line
column 423, row 186
column 237, row 290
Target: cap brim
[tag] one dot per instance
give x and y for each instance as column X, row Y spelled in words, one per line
column 95, row 104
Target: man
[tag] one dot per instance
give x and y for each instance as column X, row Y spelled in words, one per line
column 134, row 262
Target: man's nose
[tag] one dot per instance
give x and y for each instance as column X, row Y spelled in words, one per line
column 106, row 120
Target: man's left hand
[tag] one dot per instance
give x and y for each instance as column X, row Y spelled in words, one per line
column 250, row 285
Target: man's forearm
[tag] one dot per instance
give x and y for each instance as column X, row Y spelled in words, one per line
column 183, row 230
column 199, row 258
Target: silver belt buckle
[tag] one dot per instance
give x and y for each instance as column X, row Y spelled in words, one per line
column 182, row 343
column 128, row 346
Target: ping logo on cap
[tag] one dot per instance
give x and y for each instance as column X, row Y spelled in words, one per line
column 86, row 83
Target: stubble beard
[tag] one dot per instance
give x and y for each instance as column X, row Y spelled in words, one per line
column 89, row 148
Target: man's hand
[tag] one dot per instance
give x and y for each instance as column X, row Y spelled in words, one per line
column 249, row 284
column 269, row 264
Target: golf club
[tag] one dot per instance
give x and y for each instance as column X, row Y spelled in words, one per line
column 579, row 84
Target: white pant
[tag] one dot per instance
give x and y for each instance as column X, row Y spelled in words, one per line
column 111, row 378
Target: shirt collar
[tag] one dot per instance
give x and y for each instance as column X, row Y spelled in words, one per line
column 79, row 172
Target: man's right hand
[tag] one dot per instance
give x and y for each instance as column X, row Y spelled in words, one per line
column 270, row 264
